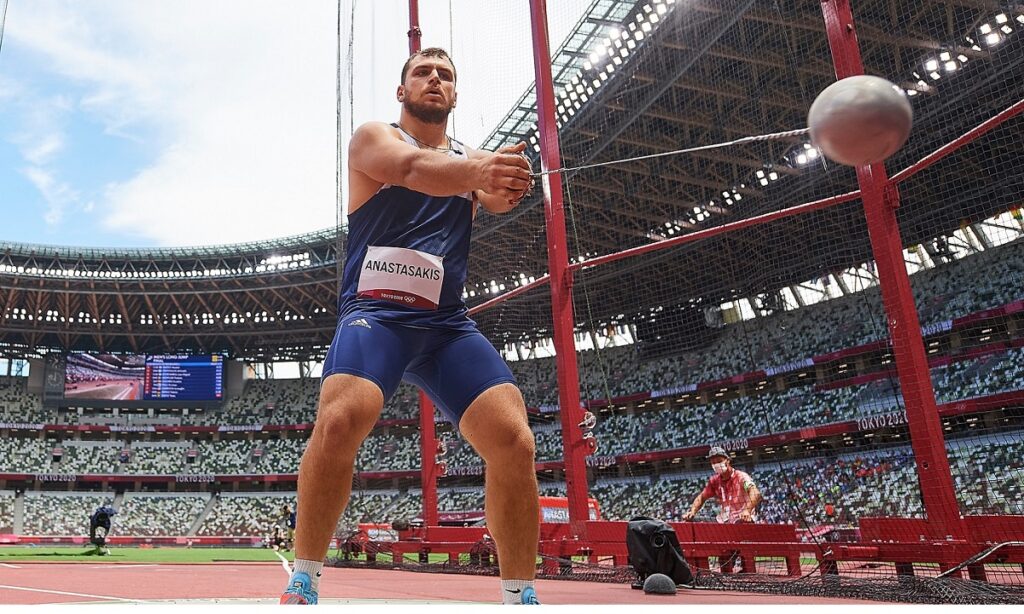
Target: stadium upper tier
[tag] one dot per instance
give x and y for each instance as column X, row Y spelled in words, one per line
column 268, row 299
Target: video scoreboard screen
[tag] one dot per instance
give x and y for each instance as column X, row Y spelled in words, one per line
column 184, row 378
column 108, row 377
column 105, row 377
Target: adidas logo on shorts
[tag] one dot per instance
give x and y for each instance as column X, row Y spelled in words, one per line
column 360, row 322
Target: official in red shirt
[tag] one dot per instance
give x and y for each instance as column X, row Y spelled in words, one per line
column 735, row 491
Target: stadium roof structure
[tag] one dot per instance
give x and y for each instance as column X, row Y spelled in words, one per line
column 270, row 299
column 634, row 78
column 671, row 75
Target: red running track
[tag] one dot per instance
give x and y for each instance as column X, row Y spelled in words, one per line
column 41, row 583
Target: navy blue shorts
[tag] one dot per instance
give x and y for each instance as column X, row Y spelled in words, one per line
column 452, row 366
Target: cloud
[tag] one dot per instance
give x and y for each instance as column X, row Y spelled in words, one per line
column 233, row 103
column 43, row 149
column 59, row 196
column 230, row 105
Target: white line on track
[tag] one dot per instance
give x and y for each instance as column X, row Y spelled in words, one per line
column 284, row 563
column 43, row 590
column 8, row 565
column 122, row 566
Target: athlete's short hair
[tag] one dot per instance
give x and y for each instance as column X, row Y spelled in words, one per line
column 429, row 52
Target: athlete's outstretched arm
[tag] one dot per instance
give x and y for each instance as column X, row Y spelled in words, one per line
column 377, row 153
column 496, row 203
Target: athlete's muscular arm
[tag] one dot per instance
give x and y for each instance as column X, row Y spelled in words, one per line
column 496, row 203
column 376, row 152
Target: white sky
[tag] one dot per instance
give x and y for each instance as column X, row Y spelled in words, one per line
column 199, row 122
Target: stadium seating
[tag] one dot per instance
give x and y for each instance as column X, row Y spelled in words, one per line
column 460, row 499
column 398, row 449
column 245, row 514
column 834, row 490
column 153, row 514
column 17, row 405
column 838, row 488
column 62, row 513
column 25, row 455
column 6, row 512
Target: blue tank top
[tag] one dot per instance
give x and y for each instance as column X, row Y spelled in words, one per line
column 407, row 254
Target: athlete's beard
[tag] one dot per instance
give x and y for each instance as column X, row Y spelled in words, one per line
column 427, row 114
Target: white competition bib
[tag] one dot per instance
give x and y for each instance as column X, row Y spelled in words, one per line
column 401, row 275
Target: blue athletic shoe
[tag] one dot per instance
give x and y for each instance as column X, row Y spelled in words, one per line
column 530, row 596
column 300, row 590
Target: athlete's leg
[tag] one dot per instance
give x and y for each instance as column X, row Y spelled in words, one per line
column 361, row 371
column 495, row 424
column 474, row 389
column 349, row 407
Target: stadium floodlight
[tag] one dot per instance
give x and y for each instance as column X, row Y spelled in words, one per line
column 594, row 57
column 993, row 39
column 646, row 26
column 944, row 56
column 1001, row 18
column 931, row 65
column 587, row 65
column 1007, row 30
column 951, row 66
column 1020, row 18
column 654, row 18
column 935, row 76
column 985, row 28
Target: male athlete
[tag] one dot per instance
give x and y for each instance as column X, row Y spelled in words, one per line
column 413, row 194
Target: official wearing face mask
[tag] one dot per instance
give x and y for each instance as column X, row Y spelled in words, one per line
column 734, row 489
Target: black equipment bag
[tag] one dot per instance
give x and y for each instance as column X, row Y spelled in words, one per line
column 654, row 548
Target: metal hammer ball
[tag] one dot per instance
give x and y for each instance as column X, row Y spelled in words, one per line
column 860, row 120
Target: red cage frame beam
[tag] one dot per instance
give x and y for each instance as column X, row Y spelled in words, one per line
column 561, row 275
column 428, row 434
column 968, row 137
column 881, row 199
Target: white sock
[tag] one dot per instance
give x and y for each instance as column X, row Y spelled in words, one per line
column 512, row 591
column 313, row 568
